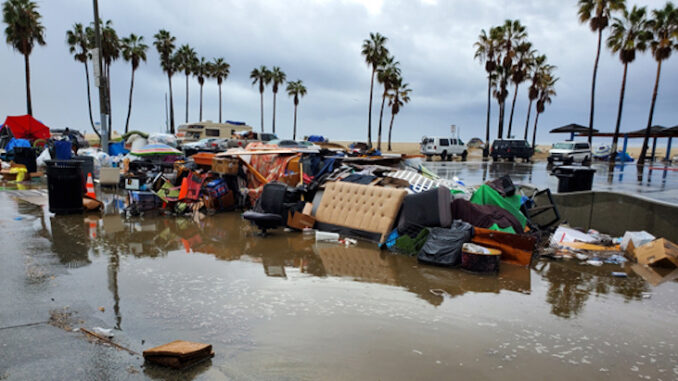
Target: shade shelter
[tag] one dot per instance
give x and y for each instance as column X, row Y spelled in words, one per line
column 572, row 129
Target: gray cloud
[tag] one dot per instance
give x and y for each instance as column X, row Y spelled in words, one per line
column 319, row 41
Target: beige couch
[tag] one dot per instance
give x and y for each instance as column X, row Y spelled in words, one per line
column 360, row 208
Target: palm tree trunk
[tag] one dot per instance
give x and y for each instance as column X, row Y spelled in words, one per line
column 89, row 102
column 513, row 106
column 527, row 121
column 294, row 132
column 186, row 98
column 369, row 113
column 129, row 106
column 534, row 132
column 500, row 128
column 274, row 93
column 169, row 78
column 390, row 129
column 29, row 107
column 643, row 152
column 261, row 93
column 220, row 103
column 486, row 149
column 593, row 86
column 615, row 137
column 200, row 102
column 381, row 116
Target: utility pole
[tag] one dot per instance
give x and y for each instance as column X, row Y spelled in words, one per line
column 100, row 79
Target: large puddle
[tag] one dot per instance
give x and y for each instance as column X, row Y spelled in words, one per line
column 284, row 307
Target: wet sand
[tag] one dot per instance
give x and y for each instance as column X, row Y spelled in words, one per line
column 282, row 307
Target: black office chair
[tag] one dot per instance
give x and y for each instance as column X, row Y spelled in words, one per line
column 269, row 212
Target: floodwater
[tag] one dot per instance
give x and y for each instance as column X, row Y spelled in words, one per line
column 284, row 307
column 659, row 183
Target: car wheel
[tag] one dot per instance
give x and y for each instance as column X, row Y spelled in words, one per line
column 512, row 158
column 587, row 161
column 494, row 158
column 568, row 161
column 443, row 156
column 464, row 155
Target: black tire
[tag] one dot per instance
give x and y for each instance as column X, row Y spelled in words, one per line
column 568, row 161
column 494, row 158
column 464, row 155
column 512, row 158
column 587, row 161
column 443, row 156
column 550, row 160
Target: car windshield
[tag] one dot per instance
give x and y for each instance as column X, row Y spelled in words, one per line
column 563, row 146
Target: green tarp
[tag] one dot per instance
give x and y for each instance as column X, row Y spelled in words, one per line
column 485, row 195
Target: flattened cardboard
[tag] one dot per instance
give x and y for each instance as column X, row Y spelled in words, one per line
column 299, row 220
column 655, row 275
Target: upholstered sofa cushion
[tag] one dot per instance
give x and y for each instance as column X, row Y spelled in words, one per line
column 360, row 207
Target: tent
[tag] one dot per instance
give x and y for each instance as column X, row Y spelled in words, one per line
column 26, row 127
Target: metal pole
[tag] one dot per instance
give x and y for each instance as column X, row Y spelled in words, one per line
column 100, row 79
column 166, row 115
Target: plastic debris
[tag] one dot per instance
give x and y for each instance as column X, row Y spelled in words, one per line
column 619, row 274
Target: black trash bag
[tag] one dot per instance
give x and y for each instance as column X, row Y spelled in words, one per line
column 443, row 247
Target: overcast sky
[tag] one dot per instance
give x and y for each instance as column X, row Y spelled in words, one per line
column 318, row 41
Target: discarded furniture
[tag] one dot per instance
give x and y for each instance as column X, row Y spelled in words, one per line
column 268, row 211
column 429, row 208
column 179, row 354
column 516, row 249
column 359, row 210
column 573, row 178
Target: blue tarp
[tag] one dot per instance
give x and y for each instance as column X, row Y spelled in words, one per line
column 317, row 139
column 17, row 143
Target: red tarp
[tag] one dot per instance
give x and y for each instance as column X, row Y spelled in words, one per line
column 26, row 127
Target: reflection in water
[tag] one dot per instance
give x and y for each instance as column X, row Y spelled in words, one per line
column 227, row 237
column 571, row 284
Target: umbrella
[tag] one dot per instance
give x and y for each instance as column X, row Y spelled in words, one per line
column 572, row 128
column 156, row 149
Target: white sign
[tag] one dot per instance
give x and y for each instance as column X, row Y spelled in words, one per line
column 453, row 130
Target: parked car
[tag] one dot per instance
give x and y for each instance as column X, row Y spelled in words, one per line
column 250, row 137
column 511, row 149
column 293, row 144
column 73, row 135
column 192, row 132
column 446, row 147
column 207, row 144
column 570, row 152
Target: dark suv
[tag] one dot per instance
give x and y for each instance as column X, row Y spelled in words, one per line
column 511, row 149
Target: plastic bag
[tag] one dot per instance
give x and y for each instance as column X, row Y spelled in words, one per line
column 41, row 161
column 638, row 238
column 443, row 247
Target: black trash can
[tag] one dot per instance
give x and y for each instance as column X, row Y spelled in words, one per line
column 573, row 178
column 26, row 156
column 65, row 186
column 87, row 165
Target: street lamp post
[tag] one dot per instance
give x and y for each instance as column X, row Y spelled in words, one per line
column 100, row 79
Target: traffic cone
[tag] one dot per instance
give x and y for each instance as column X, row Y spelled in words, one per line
column 90, row 187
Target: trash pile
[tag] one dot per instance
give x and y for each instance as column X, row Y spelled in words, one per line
column 655, row 260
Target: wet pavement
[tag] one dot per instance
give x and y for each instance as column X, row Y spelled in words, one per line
column 659, row 182
column 283, row 307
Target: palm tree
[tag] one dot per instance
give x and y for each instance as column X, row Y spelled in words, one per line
column 262, row 76
column 387, row 74
column 374, row 50
column 399, row 95
column 186, row 61
column 164, row 44
column 134, row 52
column 546, row 91
column 512, row 34
column 277, row 78
column 664, row 29
column 202, row 71
column 629, row 34
column 486, row 51
column 597, row 13
column 537, row 70
column 295, row 89
column 524, row 61
column 77, row 42
column 23, row 31
column 219, row 69
column 110, row 51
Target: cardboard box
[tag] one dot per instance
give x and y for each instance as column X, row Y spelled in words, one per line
column 660, row 252
column 299, row 221
column 655, row 275
column 225, row 165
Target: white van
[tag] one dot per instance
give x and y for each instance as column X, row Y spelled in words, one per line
column 570, row 152
column 192, row 132
column 445, row 146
